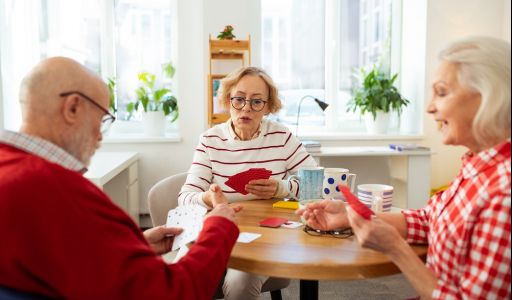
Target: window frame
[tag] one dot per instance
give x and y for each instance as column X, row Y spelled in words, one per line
column 107, row 64
column 333, row 126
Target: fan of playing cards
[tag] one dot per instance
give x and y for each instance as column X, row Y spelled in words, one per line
column 238, row 181
column 188, row 217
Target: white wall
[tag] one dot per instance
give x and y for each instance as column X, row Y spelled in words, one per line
column 446, row 20
column 506, row 20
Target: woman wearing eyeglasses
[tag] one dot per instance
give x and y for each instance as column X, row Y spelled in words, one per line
column 247, row 140
column 466, row 227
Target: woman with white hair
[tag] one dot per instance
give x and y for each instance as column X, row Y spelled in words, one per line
column 466, row 227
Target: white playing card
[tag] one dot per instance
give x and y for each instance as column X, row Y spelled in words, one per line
column 291, row 224
column 188, row 217
column 182, row 252
column 247, row 237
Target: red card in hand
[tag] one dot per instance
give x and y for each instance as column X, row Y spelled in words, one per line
column 238, row 181
column 273, row 222
column 354, row 202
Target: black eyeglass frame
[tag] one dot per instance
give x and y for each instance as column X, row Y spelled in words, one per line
column 339, row 234
column 245, row 103
column 107, row 119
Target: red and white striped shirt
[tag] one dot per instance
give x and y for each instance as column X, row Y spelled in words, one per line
column 467, row 228
column 220, row 155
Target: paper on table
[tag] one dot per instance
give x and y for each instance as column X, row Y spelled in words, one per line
column 247, row 237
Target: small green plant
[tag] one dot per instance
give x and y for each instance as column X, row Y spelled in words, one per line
column 151, row 98
column 111, row 84
column 376, row 93
column 227, row 33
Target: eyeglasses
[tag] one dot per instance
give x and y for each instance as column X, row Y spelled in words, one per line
column 340, row 234
column 107, row 119
column 240, row 102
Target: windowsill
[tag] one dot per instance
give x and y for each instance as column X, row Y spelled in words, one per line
column 123, row 132
column 141, row 138
column 337, row 136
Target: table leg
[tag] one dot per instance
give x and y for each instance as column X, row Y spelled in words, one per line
column 308, row 289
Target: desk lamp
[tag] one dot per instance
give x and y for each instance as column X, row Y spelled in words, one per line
column 320, row 103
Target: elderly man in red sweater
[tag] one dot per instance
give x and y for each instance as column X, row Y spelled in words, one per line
column 61, row 236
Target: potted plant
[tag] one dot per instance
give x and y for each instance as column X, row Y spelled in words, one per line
column 156, row 102
column 227, row 33
column 375, row 98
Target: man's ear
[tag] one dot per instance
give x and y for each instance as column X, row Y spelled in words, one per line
column 71, row 109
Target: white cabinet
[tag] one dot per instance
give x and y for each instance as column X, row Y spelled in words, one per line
column 116, row 173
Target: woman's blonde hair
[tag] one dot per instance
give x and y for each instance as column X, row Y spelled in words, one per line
column 229, row 82
column 484, row 66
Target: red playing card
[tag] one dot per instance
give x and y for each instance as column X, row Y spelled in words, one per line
column 238, row 181
column 273, row 222
column 354, row 202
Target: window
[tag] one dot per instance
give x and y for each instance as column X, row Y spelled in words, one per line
column 313, row 47
column 115, row 38
column 144, row 42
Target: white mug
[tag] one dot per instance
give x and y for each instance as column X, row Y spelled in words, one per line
column 334, row 177
column 378, row 197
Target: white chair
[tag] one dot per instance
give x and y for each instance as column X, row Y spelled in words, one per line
column 163, row 196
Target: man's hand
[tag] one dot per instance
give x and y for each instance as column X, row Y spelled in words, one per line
column 262, row 188
column 325, row 215
column 160, row 238
column 223, row 210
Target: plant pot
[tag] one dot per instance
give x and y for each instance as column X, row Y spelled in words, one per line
column 379, row 125
column 153, row 123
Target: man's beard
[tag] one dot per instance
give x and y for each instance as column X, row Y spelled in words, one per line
column 82, row 145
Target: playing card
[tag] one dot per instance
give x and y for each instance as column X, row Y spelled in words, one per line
column 188, row 217
column 238, row 181
column 355, row 204
column 273, row 222
column 247, row 237
column 291, row 224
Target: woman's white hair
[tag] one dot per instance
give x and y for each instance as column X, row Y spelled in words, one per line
column 484, row 66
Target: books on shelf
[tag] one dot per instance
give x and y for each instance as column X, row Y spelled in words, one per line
column 312, row 146
column 408, row 147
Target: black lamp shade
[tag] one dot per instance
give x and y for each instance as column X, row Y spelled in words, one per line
column 322, row 104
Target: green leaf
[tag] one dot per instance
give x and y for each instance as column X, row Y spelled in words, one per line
column 158, row 94
column 168, row 69
column 111, row 84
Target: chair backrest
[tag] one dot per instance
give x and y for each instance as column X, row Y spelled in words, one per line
column 163, row 196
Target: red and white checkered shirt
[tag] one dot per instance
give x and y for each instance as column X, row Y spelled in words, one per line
column 42, row 148
column 467, row 228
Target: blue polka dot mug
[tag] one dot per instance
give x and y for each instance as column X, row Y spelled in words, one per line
column 334, row 177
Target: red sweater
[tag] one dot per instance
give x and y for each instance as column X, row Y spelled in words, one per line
column 63, row 237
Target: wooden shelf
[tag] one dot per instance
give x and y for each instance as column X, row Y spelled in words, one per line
column 230, row 55
column 223, row 45
column 223, row 50
column 220, row 118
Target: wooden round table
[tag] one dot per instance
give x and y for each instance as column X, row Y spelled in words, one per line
column 292, row 253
